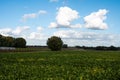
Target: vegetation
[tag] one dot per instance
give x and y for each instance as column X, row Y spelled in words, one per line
column 104, row 48
column 20, row 43
column 65, row 46
column 7, row 41
column 60, row 65
column 55, row 43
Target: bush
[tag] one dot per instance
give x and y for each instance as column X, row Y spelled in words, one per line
column 55, row 43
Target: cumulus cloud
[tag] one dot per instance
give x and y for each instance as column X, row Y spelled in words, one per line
column 66, row 15
column 64, row 18
column 25, row 17
column 96, row 20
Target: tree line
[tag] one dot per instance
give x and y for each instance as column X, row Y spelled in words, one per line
column 8, row 41
column 99, row 47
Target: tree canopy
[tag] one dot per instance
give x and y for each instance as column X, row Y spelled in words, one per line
column 55, row 43
column 8, row 41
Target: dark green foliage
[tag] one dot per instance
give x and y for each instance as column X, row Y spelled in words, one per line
column 10, row 41
column 78, row 47
column 60, row 65
column 113, row 48
column 106, row 48
column 101, row 48
column 7, row 41
column 65, row 46
column 20, row 43
column 55, row 43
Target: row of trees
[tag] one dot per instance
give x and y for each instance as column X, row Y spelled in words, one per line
column 54, row 43
column 99, row 47
column 8, row 41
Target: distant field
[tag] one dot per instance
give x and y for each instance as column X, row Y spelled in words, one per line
column 60, row 65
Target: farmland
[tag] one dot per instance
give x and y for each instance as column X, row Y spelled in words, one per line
column 60, row 65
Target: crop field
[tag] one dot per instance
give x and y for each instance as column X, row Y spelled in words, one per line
column 60, row 65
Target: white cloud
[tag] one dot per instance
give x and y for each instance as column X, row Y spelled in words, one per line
column 96, row 20
column 36, row 35
column 73, row 38
column 5, row 31
column 53, row 25
column 65, row 15
column 39, row 28
column 28, row 16
column 65, row 34
column 64, row 18
column 13, row 32
column 76, row 26
column 20, row 29
column 25, row 17
column 42, row 12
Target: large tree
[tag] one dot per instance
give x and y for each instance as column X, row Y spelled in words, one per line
column 55, row 43
column 20, row 42
column 9, row 41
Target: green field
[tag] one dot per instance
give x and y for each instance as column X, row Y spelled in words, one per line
column 60, row 65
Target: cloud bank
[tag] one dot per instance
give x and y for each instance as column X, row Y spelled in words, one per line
column 73, row 38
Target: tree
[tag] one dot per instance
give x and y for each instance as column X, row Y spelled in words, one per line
column 65, row 46
column 1, row 40
column 9, row 41
column 20, row 43
column 55, row 43
column 113, row 48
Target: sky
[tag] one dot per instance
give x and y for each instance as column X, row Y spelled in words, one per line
column 76, row 22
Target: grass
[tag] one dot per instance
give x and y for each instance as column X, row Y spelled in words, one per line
column 60, row 65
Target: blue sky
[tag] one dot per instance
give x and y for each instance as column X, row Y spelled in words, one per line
column 77, row 22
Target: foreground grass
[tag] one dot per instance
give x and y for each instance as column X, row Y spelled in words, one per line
column 61, row 65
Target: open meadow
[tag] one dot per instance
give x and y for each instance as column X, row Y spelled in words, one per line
column 60, row 65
